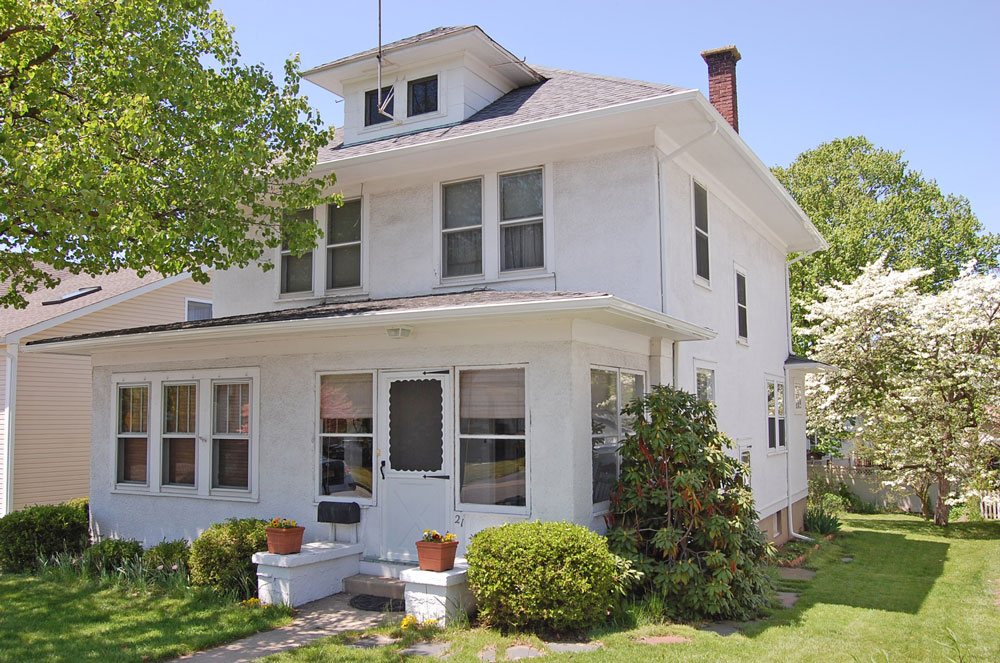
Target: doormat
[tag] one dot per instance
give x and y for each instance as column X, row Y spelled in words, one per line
column 377, row 603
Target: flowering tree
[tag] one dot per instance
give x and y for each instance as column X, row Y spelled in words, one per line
column 921, row 369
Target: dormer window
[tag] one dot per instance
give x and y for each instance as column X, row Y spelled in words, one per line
column 372, row 114
column 422, row 96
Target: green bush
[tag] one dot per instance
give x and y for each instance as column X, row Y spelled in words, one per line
column 36, row 533
column 111, row 555
column 81, row 503
column 166, row 555
column 220, row 557
column 542, row 576
column 821, row 522
column 684, row 515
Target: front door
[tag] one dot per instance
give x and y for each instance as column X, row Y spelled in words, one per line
column 415, row 459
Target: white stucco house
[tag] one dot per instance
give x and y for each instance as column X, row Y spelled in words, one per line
column 521, row 250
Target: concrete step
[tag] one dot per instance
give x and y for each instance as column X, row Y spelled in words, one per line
column 375, row 585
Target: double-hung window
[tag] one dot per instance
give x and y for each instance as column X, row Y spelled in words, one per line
column 231, row 435
column 422, row 96
column 462, row 228
column 521, row 211
column 741, row 307
column 705, row 384
column 775, row 414
column 180, row 430
column 492, row 438
column 133, row 434
column 610, row 390
column 343, row 245
column 296, row 271
column 701, row 257
column 373, row 115
column 346, row 436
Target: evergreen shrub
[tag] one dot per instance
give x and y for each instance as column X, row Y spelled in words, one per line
column 36, row 533
column 220, row 557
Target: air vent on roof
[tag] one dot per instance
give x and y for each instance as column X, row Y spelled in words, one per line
column 83, row 292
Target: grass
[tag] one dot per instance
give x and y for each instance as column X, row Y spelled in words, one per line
column 913, row 592
column 69, row 618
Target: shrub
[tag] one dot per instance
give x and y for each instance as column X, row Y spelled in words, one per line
column 683, row 514
column 168, row 554
column 541, row 576
column 81, row 503
column 39, row 532
column 220, row 557
column 111, row 555
column 821, row 522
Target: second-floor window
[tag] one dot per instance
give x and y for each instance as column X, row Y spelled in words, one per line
column 372, row 114
column 296, row 271
column 521, row 232
column 741, row 307
column 462, row 228
column 701, row 259
column 343, row 245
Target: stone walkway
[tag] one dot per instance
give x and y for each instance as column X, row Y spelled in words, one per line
column 313, row 621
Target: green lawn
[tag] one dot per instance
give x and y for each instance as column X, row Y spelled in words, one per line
column 49, row 621
column 909, row 584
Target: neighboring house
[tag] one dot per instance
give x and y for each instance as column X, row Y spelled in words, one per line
column 521, row 250
column 45, row 399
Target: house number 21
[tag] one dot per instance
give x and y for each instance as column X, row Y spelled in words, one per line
column 460, row 520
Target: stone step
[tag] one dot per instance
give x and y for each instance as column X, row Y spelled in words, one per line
column 375, row 585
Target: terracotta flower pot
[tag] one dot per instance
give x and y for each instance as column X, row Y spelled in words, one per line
column 436, row 556
column 284, row 541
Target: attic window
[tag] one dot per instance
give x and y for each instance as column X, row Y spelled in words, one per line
column 422, row 96
column 372, row 114
column 83, row 292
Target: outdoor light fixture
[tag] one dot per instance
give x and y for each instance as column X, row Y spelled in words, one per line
column 398, row 332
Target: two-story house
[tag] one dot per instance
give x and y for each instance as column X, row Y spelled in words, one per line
column 520, row 251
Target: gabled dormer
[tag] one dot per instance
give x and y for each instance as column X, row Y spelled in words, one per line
column 433, row 79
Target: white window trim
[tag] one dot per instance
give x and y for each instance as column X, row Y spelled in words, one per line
column 491, row 249
column 799, row 404
column 318, row 451
column 738, row 271
column 361, row 288
column 180, row 488
column 501, row 224
column 279, row 253
column 441, row 231
column 779, row 449
column 188, row 300
column 705, row 364
column 205, row 378
column 460, row 506
column 116, row 414
column 744, row 445
column 601, row 508
column 401, row 92
column 700, row 280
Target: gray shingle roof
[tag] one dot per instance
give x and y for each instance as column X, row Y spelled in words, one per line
column 348, row 309
column 563, row 93
column 423, row 36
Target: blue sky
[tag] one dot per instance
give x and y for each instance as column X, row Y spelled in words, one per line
column 911, row 75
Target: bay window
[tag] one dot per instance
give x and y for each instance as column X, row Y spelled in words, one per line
column 346, row 440
column 492, row 437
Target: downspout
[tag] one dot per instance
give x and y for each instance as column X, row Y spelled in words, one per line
column 788, row 456
column 10, row 387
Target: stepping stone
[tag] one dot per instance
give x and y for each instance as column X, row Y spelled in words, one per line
column 437, row 649
column 373, row 642
column 489, row 654
column 724, row 629
column 522, row 651
column 786, row 573
column 563, row 647
column 787, row 599
column 663, row 640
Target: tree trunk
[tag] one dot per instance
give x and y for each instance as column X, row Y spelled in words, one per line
column 923, row 492
column 942, row 508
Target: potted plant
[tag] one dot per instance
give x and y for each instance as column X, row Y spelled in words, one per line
column 284, row 537
column 436, row 551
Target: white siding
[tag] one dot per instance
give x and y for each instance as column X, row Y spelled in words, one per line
column 4, row 367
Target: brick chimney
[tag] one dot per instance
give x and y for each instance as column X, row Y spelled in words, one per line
column 722, row 82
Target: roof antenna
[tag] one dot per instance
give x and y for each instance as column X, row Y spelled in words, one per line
column 382, row 103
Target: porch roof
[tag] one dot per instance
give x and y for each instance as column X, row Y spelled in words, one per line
column 466, row 305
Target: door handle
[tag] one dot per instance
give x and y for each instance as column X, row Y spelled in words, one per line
column 381, row 469
column 437, row 476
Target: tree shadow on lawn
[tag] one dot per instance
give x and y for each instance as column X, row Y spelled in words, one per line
column 979, row 531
